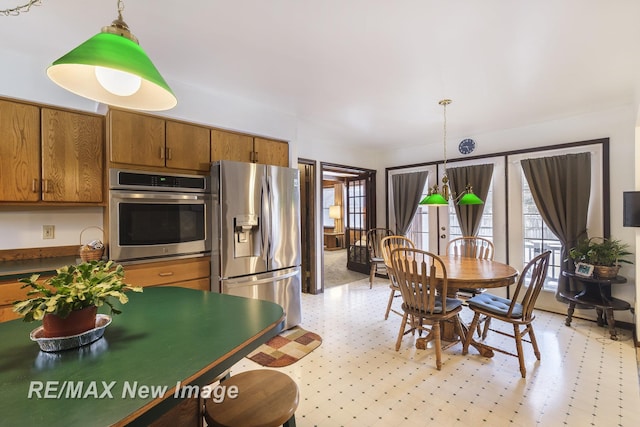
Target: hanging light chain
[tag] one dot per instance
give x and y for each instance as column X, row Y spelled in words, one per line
column 444, row 104
column 15, row 11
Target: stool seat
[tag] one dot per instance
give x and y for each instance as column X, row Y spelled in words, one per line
column 265, row 398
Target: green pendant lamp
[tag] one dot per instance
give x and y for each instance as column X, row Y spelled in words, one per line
column 112, row 68
column 437, row 198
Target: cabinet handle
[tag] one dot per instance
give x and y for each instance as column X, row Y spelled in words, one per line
column 255, row 157
column 162, row 153
column 166, row 274
column 169, row 154
column 45, row 185
column 34, row 185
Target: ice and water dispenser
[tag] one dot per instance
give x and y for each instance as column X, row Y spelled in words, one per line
column 247, row 236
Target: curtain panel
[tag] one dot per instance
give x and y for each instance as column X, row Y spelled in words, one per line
column 407, row 191
column 560, row 187
column 469, row 216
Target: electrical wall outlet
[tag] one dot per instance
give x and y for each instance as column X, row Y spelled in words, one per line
column 48, row 231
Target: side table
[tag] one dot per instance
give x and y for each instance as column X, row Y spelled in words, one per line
column 596, row 294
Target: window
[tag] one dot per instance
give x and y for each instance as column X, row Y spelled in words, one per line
column 486, row 223
column 418, row 231
column 538, row 238
column 529, row 236
column 328, row 199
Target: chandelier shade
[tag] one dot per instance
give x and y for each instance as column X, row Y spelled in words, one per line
column 113, row 69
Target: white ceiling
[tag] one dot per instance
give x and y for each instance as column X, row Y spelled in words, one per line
column 371, row 72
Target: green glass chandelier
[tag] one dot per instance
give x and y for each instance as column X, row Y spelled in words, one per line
column 435, row 197
column 112, row 68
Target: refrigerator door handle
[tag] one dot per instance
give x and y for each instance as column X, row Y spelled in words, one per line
column 269, row 279
column 271, row 213
column 265, row 229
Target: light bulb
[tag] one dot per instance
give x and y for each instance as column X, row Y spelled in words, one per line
column 118, row 82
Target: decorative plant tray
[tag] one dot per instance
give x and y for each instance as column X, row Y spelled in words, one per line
column 73, row 341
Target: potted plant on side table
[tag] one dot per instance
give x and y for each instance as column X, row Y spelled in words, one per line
column 604, row 254
column 67, row 303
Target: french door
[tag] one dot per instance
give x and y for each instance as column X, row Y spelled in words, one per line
column 361, row 216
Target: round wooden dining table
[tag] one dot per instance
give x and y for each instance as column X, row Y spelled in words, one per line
column 471, row 273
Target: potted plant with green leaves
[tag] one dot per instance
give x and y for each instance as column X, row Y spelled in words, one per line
column 605, row 255
column 67, row 303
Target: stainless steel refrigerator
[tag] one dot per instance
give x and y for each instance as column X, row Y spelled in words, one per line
column 256, row 234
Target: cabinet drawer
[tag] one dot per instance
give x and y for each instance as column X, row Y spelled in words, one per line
column 166, row 272
column 7, row 313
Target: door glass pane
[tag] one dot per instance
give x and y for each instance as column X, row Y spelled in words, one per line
column 357, row 220
column 486, row 223
column 328, row 199
column 418, row 231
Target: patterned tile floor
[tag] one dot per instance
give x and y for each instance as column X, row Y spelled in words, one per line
column 356, row 378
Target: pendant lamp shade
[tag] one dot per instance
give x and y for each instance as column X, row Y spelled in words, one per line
column 435, row 199
column 82, row 71
column 470, row 199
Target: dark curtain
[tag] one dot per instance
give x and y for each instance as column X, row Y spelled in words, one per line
column 407, row 191
column 560, row 187
column 479, row 176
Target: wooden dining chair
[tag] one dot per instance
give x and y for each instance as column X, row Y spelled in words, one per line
column 388, row 244
column 424, row 296
column 374, row 240
column 472, row 247
column 517, row 311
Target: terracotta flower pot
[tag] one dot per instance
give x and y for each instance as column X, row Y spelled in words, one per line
column 76, row 323
column 606, row 272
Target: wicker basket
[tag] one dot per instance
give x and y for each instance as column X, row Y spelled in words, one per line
column 88, row 253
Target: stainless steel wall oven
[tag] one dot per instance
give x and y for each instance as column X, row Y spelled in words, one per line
column 154, row 215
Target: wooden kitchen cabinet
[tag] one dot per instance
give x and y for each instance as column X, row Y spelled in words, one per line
column 190, row 273
column 72, row 157
column 10, row 291
column 135, row 139
column 246, row 148
column 50, row 155
column 187, row 146
column 143, row 140
column 271, row 152
column 19, row 152
column 231, row 146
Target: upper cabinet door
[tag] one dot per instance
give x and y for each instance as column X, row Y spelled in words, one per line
column 19, row 152
column 72, row 157
column 187, row 146
column 270, row 152
column 136, row 139
column 231, row 146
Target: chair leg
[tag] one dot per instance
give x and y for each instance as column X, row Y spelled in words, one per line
column 534, row 342
column 485, row 330
column 436, row 337
column 391, row 296
column 516, row 334
column 372, row 273
column 291, row 422
column 401, row 333
column 469, row 337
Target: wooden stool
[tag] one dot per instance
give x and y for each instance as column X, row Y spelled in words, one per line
column 265, row 398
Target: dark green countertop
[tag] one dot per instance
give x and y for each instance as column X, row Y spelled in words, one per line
column 164, row 335
column 17, row 269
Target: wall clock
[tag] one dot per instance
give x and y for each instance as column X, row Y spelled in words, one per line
column 467, row 146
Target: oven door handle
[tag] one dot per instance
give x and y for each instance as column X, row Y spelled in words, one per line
column 132, row 197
